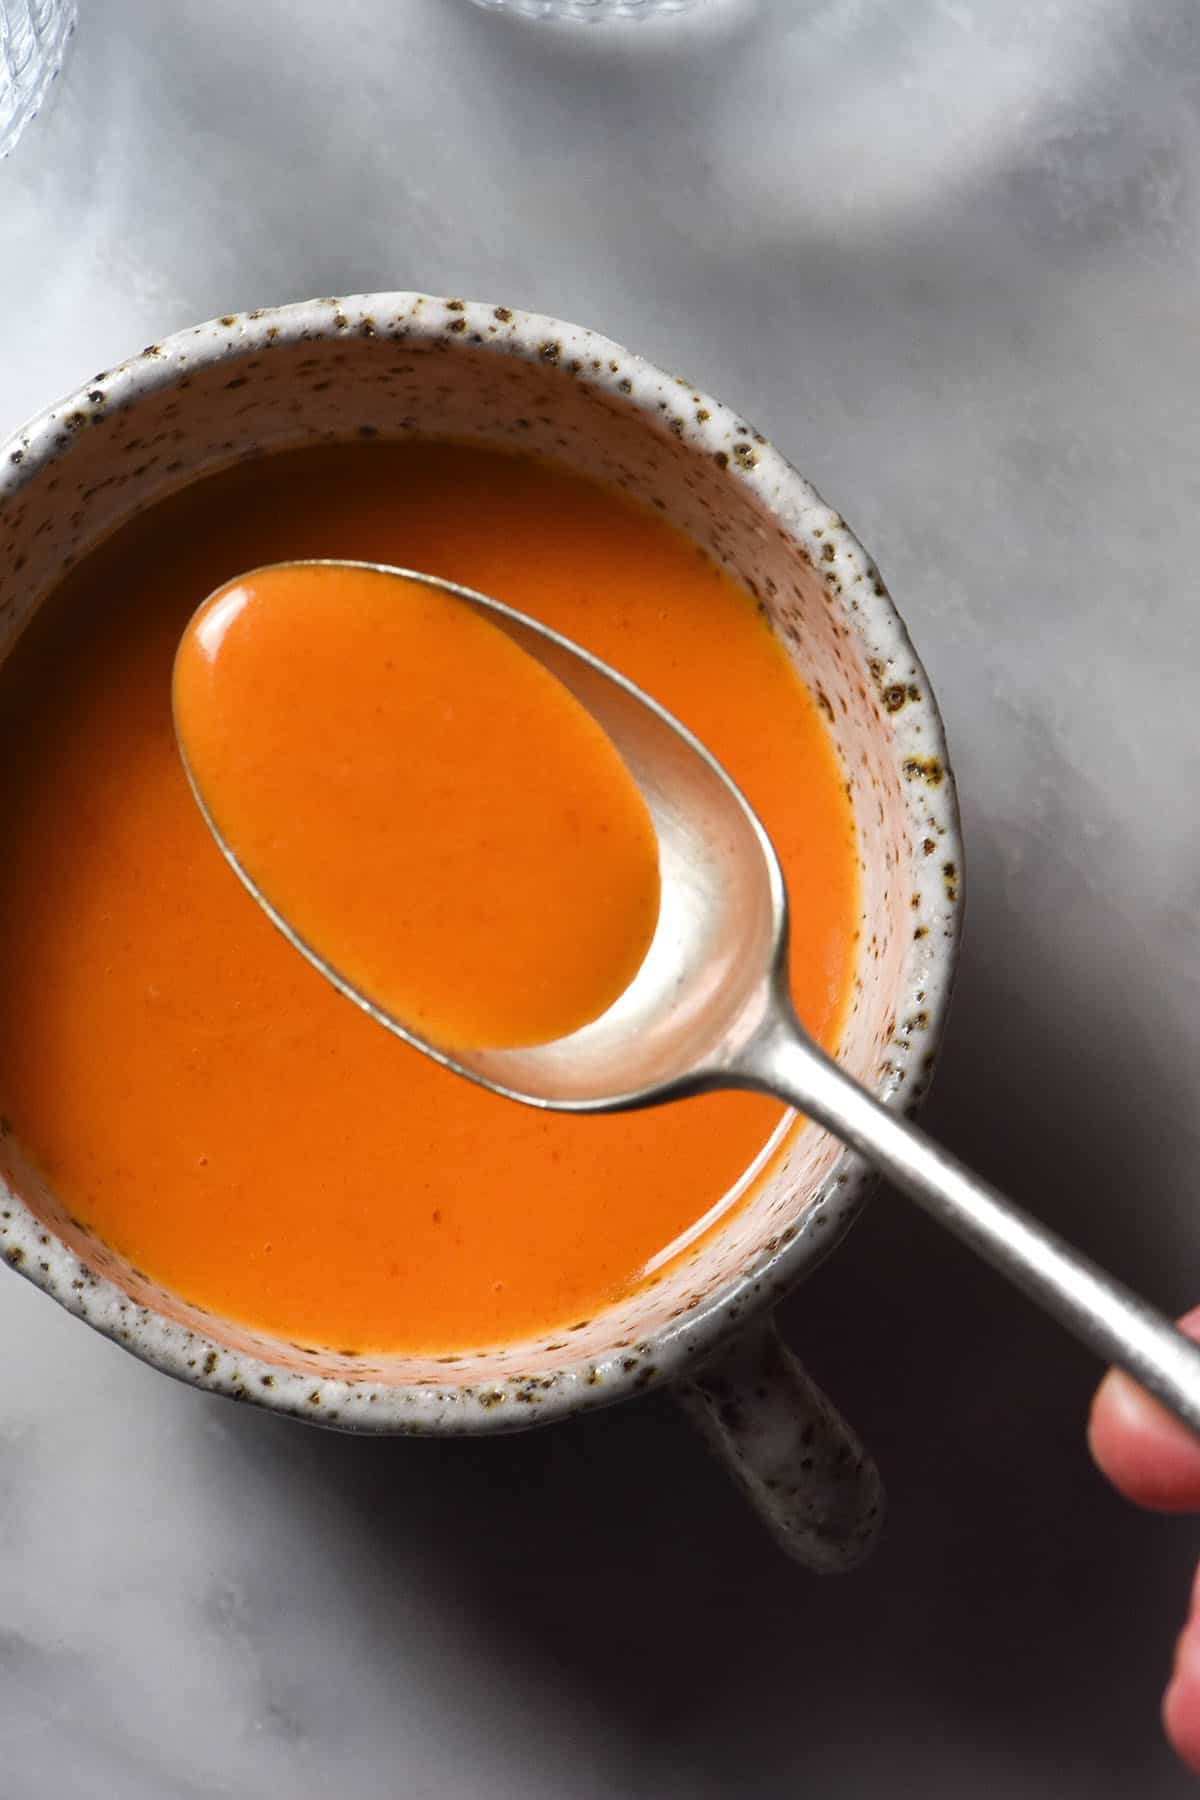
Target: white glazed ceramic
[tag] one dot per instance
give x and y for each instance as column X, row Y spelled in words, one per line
column 391, row 365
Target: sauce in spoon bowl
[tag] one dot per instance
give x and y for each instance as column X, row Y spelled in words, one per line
column 427, row 807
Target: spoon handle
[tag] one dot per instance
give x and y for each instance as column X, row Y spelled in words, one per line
column 1100, row 1311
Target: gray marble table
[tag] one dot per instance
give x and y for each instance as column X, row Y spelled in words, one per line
column 946, row 256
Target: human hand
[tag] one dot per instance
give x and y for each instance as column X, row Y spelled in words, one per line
column 1154, row 1461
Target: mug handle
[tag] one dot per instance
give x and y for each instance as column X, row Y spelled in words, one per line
column 788, row 1449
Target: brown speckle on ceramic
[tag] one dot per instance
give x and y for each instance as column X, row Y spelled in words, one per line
column 929, row 769
column 399, row 365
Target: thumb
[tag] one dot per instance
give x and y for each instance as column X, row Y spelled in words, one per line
column 1146, row 1453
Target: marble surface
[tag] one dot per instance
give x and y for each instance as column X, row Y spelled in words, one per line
column 946, row 256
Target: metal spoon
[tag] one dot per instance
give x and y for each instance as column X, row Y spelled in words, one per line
column 710, row 1008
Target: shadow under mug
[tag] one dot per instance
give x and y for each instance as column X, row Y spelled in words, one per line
column 400, row 365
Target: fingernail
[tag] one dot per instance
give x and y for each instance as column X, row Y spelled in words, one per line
column 1131, row 1404
column 1125, row 1397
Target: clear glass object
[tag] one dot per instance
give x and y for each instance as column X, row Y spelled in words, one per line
column 587, row 12
column 33, row 42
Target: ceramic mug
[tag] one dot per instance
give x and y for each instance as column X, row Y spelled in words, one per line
column 393, row 365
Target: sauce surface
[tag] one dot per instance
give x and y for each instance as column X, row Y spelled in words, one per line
column 428, row 808
column 200, row 1095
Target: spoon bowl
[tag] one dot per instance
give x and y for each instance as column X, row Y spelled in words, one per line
column 719, row 948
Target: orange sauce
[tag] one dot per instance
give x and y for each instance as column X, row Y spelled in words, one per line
column 195, row 1091
column 428, row 808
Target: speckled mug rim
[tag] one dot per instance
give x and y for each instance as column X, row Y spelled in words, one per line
column 854, row 587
